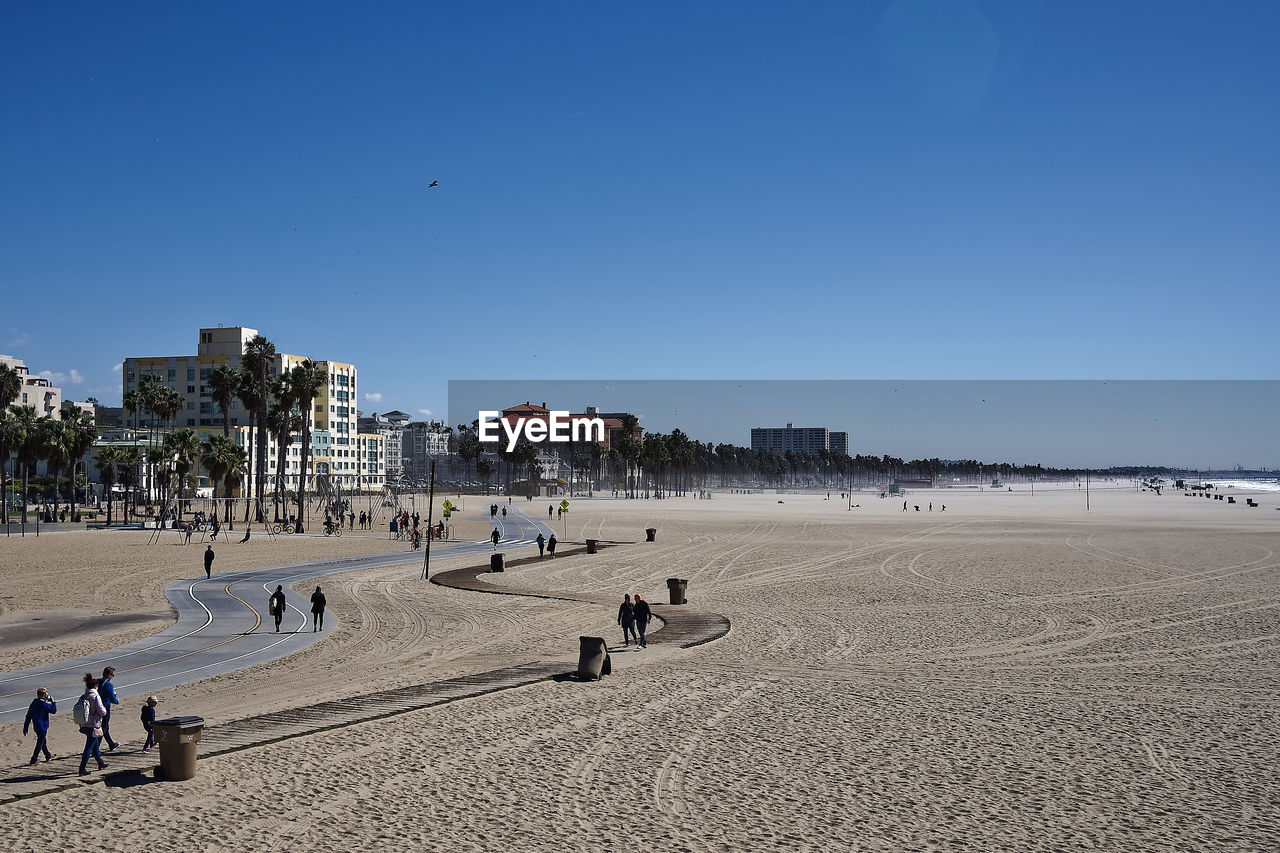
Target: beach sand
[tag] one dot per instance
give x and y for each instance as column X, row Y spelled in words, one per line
column 1015, row 673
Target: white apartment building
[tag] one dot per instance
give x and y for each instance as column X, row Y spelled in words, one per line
column 36, row 390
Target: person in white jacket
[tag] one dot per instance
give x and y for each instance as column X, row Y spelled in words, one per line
column 93, row 731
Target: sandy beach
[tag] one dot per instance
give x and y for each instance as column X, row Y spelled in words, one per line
column 1014, row 673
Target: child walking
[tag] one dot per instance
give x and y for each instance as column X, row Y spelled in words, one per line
column 148, row 721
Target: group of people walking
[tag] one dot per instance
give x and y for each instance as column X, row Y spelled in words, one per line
column 92, row 716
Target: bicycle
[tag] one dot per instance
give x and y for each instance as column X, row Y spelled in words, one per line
column 282, row 528
column 333, row 530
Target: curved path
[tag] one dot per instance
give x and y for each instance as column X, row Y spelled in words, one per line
column 222, row 626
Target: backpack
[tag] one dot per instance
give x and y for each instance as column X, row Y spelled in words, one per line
column 80, row 713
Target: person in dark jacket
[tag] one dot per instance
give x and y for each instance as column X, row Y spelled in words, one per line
column 276, row 606
column 148, row 718
column 643, row 616
column 494, row 538
column 38, row 718
column 208, row 561
column 542, row 545
column 317, row 610
column 107, row 691
column 551, row 546
column 627, row 619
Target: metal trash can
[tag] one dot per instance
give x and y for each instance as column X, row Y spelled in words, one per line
column 177, row 738
column 496, row 562
column 593, row 658
column 650, row 533
column 591, row 545
column 677, row 586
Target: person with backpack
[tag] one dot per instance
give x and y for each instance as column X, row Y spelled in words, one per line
column 88, row 714
column 107, row 692
column 148, row 718
column 317, row 610
column 38, row 718
column 627, row 619
column 276, row 605
column 643, row 616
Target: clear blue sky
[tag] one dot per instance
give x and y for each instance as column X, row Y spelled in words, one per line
column 913, row 189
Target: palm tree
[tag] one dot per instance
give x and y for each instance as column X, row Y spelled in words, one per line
column 10, row 439
column 484, row 470
column 259, row 355
column 283, row 422
column 224, row 460
column 247, row 394
column 27, row 433
column 306, row 379
column 108, row 469
column 81, row 434
column 183, row 447
column 223, row 381
column 10, row 385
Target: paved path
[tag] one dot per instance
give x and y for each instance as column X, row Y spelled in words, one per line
column 682, row 626
column 222, row 626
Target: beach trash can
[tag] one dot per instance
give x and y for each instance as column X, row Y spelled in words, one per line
column 591, row 545
column 496, row 562
column 677, row 586
column 394, row 528
column 177, row 738
column 593, row 658
column 650, row 533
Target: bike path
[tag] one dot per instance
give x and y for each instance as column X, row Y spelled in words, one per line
column 222, row 626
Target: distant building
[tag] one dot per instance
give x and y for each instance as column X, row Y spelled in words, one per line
column 792, row 438
column 36, row 390
column 391, row 426
column 422, row 441
column 613, row 421
column 838, row 443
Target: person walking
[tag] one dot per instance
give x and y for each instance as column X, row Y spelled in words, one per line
column 276, row 605
column 148, row 718
column 643, row 616
column 494, row 538
column 92, row 729
column 551, row 546
column 208, row 562
column 317, row 610
column 542, row 544
column 549, row 508
column 107, row 693
column 627, row 619
column 38, row 719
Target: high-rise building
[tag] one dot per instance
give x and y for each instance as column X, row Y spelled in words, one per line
column 799, row 439
column 341, row 456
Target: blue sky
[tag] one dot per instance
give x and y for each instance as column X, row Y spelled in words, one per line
column 910, row 189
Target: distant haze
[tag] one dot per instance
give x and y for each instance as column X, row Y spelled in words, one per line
column 1181, row 424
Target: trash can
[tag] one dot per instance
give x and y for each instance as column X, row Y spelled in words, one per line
column 177, row 738
column 591, row 545
column 677, row 586
column 650, row 533
column 593, row 658
column 495, row 562
column 394, row 528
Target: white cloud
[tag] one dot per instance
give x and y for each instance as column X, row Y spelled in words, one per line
column 20, row 340
column 117, row 367
column 373, row 398
column 426, row 412
column 59, row 378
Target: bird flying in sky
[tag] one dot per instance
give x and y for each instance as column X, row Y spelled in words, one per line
column 433, row 184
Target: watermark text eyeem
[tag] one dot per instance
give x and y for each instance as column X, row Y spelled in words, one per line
column 559, row 427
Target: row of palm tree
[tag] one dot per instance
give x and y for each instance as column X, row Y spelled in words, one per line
column 59, row 442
